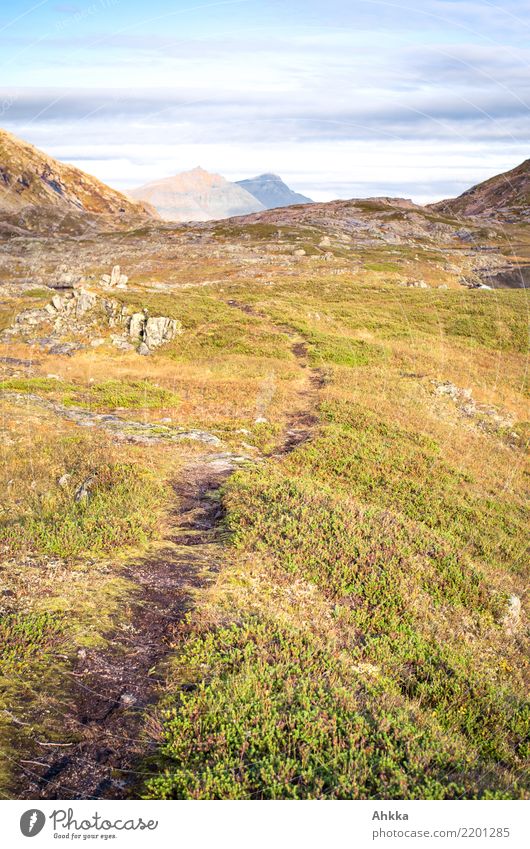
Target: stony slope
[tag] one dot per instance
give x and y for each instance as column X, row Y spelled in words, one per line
column 197, row 195
column 272, row 192
column 37, row 191
column 505, row 197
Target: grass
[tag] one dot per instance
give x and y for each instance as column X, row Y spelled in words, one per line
column 268, row 711
column 130, row 394
column 281, row 717
column 399, row 679
column 38, row 293
column 25, row 639
column 61, row 581
column 356, row 642
column 120, row 510
column 109, row 394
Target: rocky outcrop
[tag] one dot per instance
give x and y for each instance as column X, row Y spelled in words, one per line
column 505, row 197
column 114, row 280
column 152, row 331
column 513, row 617
column 66, row 278
column 483, row 416
column 123, row 430
column 79, row 313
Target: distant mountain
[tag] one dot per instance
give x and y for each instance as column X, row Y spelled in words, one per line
column 38, row 192
column 272, row 192
column 505, row 197
column 197, row 196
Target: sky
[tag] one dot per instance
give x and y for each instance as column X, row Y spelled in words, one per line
column 342, row 98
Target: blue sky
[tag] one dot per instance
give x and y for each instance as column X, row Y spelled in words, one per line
column 343, row 98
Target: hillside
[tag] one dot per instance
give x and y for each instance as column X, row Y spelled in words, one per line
column 37, row 191
column 264, row 509
column 271, row 191
column 196, row 195
column 505, row 197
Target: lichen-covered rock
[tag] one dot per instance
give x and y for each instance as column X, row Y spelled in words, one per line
column 115, row 280
column 160, row 330
column 84, row 301
column 152, row 331
column 66, row 278
column 137, row 325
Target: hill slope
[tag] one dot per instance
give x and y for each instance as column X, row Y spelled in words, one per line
column 39, row 191
column 272, row 192
column 505, row 197
column 197, row 195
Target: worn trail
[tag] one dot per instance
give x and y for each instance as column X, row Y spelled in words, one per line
column 110, row 688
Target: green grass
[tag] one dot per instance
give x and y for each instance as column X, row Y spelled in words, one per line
column 383, row 266
column 129, row 394
column 38, row 293
column 374, row 518
column 342, row 351
column 389, row 467
column 212, row 328
column 110, row 394
column 34, row 385
column 265, row 712
column 26, row 639
column 121, row 510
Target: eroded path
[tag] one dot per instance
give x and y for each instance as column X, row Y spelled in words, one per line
column 110, row 688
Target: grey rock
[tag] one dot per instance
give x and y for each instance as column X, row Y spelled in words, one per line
column 160, row 330
column 65, row 349
column 84, row 301
column 114, row 280
column 137, row 325
column 152, row 331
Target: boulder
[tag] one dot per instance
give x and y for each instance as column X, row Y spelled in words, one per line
column 159, row 330
column 115, row 280
column 137, row 325
column 152, row 331
column 84, row 301
column 65, row 279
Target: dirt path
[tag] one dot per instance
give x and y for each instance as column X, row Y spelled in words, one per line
column 110, row 688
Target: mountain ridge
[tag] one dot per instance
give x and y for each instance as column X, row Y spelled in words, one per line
column 196, row 195
column 504, row 197
column 35, row 186
column 272, row 192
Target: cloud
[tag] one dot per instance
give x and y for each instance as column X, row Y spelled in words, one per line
column 376, row 78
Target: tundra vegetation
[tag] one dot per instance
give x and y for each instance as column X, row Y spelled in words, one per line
column 364, row 634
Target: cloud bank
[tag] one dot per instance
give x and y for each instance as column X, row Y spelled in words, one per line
column 342, row 99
